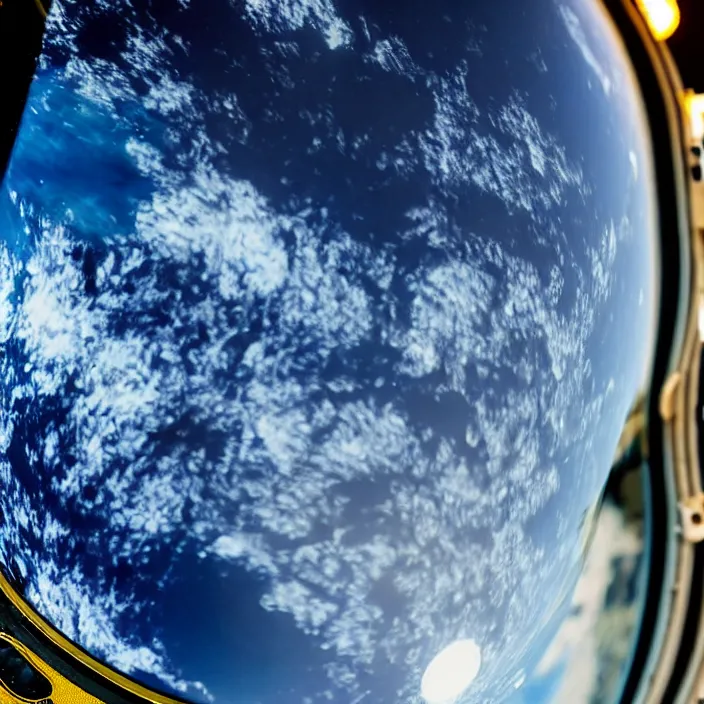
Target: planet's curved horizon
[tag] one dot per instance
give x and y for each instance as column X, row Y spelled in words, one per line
column 320, row 321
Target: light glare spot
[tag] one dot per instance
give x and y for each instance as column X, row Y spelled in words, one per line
column 450, row 672
column 662, row 16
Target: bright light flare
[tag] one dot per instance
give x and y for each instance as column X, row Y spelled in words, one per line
column 662, row 16
column 450, row 672
column 694, row 105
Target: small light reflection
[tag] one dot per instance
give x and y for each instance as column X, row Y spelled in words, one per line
column 450, row 672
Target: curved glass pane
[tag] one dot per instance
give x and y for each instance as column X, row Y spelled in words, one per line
column 588, row 660
column 321, row 322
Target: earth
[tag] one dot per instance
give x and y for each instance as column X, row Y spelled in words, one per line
column 320, row 322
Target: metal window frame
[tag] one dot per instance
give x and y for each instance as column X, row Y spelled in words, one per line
column 667, row 662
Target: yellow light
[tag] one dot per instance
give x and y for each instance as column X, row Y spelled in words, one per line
column 662, row 16
column 694, row 106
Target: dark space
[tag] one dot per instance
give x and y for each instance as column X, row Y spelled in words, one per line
column 21, row 27
column 686, row 44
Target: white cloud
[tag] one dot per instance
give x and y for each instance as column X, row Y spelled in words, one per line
column 287, row 15
column 511, row 157
column 634, row 163
column 392, row 55
column 226, row 221
column 577, row 33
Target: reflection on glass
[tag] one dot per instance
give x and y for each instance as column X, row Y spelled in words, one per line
column 19, row 676
column 587, row 660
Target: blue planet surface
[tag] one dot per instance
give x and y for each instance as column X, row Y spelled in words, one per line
column 320, row 321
